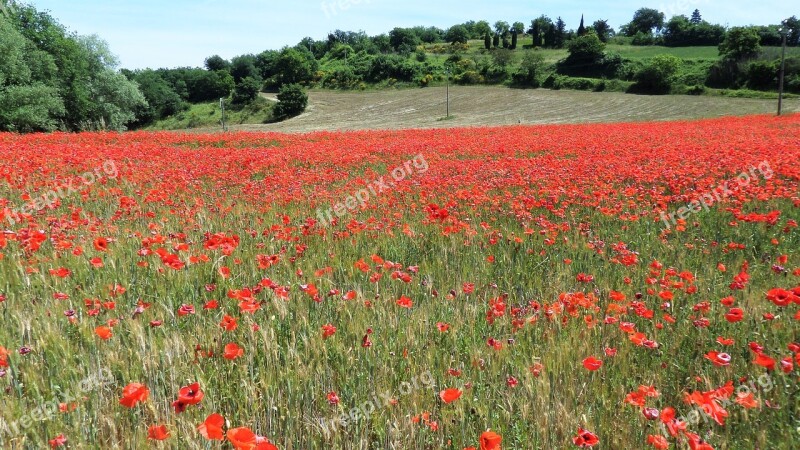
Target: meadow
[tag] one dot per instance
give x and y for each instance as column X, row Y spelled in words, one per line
column 615, row 286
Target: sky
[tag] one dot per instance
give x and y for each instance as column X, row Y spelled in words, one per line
column 177, row 33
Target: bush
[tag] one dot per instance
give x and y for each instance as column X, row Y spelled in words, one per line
column 246, row 91
column 762, row 75
column 657, row 76
column 530, row 70
column 468, row 77
column 291, row 101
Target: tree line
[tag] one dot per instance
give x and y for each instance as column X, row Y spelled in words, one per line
column 51, row 78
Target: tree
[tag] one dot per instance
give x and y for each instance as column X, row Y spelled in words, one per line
column 585, row 56
column 403, row 40
column 740, row 43
column 496, row 41
column 162, row 100
column 530, row 69
column 645, row 20
column 216, row 62
column 291, row 101
column 696, row 18
column 28, row 108
column 603, row 30
column 656, row 76
column 457, row 34
column 793, row 38
column 543, row 32
column 246, row 91
column 513, row 45
column 244, row 66
column 501, row 27
column 294, row 66
column 559, row 33
column 487, row 41
column 518, row 27
column 481, row 28
column 581, row 28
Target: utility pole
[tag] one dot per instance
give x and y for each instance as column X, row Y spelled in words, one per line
column 222, row 107
column 448, row 93
column 784, row 31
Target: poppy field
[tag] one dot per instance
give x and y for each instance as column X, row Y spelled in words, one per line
column 611, row 286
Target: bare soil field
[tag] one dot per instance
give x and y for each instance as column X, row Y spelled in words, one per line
column 492, row 105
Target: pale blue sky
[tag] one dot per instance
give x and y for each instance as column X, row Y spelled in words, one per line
column 171, row 33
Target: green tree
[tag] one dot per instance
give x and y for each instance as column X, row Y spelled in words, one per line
column 457, row 34
column 657, row 76
column 291, row 101
column 518, row 27
column 216, row 62
column 481, row 28
column 28, row 108
column 487, row 41
column 513, row 45
column 530, row 70
column 496, row 41
column 246, row 91
column 403, row 40
column 293, row 66
column 244, row 66
column 501, row 27
column 603, row 30
column 740, row 43
column 696, row 17
column 645, row 20
column 582, row 28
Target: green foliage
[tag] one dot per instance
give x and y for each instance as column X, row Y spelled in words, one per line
column 217, row 62
column 294, row 65
column 603, row 30
column 28, row 108
column 244, row 66
column 762, row 75
column 681, row 32
column 487, row 41
column 585, row 52
column 645, row 20
column 657, row 76
column 740, row 43
column 292, row 100
column 403, row 40
column 530, row 70
column 457, row 34
column 162, row 100
column 246, row 91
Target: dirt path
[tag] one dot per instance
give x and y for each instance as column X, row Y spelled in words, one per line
column 492, row 105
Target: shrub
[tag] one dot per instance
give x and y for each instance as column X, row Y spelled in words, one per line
column 246, row 91
column 657, row 76
column 291, row 101
column 762, row 75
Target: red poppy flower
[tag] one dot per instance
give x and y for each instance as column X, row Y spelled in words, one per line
column 241, row 438
column 58, row 441
column 328, row 330
column 405, row 302
column 103, row 332
column 585, row 439
column 133, row 394
column 490, row 440
column 450, row 395
column 232, row 351
column 101, row 244
column 157, row 432
column 211, row 429
column 592, row 363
